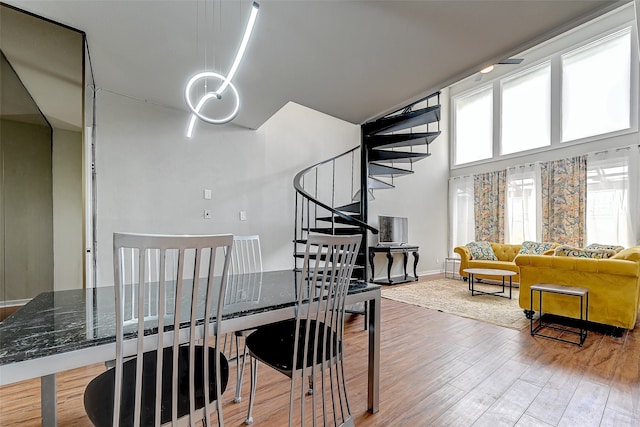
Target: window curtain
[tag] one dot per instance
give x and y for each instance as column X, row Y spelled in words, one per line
column 461, row 219
column 489, row 206
column 523, row 216
column 613, row 210
column 564, row 200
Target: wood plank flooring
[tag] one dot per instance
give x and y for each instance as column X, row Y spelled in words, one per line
column 437, row 369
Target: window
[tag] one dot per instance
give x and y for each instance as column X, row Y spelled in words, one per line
column 522, row 204
column 596, row 87
column 574, row 93
column 526, row 110
column 609, row 217
column 462, row 223
column 474, row 126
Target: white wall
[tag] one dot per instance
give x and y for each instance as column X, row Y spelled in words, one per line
column 150, row 178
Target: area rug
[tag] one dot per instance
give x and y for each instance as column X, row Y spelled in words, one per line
column 454, row 297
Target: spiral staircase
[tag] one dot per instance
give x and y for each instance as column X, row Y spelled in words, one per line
column 329, row 194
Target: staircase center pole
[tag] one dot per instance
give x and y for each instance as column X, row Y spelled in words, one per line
column 364, row 200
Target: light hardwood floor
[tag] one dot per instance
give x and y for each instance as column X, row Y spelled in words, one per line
column 437, row 369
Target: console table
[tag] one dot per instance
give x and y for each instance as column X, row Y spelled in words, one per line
column 390, row 250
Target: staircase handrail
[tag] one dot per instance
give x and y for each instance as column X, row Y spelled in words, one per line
column 297, row 184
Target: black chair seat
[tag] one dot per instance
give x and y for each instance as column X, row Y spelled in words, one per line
column 273, row 345
column 98, row 397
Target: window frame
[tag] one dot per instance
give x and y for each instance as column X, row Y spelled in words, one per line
column 555, row 60
column 454, row 124
column 514, row 76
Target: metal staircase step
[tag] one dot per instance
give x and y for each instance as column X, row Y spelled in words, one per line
column 351, row 207
column 400, row 139
column 383, row 170
column 383, row 156
column 338, row 219
column 377, row 184
column 337, row 231
column 403, row 121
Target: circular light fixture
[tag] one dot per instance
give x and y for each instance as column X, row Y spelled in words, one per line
column 210, row 95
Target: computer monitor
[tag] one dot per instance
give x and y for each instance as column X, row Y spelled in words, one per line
column 394, row 230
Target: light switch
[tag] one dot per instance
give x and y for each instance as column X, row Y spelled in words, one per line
column 243, row 215
column 207, row 194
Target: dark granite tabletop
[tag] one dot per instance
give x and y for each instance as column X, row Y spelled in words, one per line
column 62, row 321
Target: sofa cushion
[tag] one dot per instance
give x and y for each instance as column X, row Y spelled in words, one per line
column 481, row 250
column 615, row 248
column 535, row 248
column 500, row 265
column 629, row 254
column 570, row 251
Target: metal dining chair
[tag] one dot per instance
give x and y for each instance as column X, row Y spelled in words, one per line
column 163, row 374
column 310, row 346
column 246, row 262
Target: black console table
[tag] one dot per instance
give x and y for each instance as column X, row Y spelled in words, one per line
column 390, row 250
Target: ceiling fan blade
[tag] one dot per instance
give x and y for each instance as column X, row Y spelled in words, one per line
column 512, row 61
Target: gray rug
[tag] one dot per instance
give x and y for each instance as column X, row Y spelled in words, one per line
column 453, row 296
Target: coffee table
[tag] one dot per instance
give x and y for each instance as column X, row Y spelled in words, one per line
column 490, row 272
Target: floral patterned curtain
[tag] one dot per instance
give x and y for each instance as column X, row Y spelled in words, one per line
column 489, row 191
column 564, row 200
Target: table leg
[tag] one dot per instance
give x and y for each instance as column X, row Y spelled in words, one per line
column 48, row 400
column 405, row 258
column 389, row 264
column 510, row 286
column 373, row 400
column 371, row 258
column 415, row 264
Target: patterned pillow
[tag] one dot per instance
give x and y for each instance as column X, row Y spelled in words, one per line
column 615, row 248
column 535, row 248
column 481, row 250
column 565, row 250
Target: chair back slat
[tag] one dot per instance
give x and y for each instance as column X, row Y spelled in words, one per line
column 247, row 255
column 173, row 287
column 326, row 274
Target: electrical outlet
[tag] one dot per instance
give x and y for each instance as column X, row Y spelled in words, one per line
column 207, row 214
column 437, row 260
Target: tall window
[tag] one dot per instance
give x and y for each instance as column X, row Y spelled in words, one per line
column 523, row 201
column 612, row 199
column 596, row 81
column 526, row 110
column 474, row 126
column 462, row 222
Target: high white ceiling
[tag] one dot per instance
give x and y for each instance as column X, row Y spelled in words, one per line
column 351, row 59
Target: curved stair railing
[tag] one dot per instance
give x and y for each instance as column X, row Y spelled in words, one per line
column 324, row 204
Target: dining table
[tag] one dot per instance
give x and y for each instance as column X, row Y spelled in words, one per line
column 66, row 329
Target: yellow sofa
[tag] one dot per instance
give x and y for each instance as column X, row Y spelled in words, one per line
column 614, row 285
column 503, row 251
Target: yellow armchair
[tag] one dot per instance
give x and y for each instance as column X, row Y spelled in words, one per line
column 504, row 252
column 614, row 285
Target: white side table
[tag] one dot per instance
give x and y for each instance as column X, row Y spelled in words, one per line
column 452, row 268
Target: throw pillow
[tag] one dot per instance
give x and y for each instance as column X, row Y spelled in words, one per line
column 565, row 250
column 629, row 254
column 615, row 248
column 481, row 250
column 535, row 248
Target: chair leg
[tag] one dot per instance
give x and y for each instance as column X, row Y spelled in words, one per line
column 310, row 389
column 239, row 369
column 254, row 379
